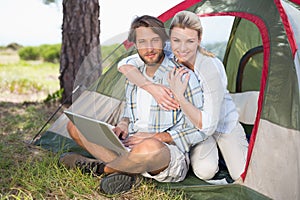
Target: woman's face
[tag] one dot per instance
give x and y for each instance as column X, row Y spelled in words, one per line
column 185, row 42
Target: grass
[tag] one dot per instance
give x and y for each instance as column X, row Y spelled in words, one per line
column 18, row 78
column 28, row 172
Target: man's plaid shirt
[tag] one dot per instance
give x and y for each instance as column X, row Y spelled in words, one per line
column 183, row 132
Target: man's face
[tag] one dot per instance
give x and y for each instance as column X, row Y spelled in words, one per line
column 149, row 46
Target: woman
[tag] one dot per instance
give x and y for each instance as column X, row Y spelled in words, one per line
column 219, row 118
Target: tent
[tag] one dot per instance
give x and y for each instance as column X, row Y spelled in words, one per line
column 262, row 61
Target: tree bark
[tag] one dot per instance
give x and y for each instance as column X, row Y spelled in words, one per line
column 80, row 62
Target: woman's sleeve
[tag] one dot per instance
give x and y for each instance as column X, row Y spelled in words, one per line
column 133, row 60
column 130, row 66
column 213, row 94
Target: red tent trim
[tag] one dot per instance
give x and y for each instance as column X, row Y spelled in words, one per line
column 179, row 7
column 287, row 26
column 296, row 1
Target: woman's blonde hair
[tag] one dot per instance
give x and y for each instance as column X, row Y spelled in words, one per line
column 187, row 19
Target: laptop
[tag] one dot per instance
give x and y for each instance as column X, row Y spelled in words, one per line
column 97, row 132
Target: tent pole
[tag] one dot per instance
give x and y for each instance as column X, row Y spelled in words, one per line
column 50, row 118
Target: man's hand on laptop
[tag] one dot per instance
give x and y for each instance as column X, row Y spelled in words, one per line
column 121, row 130
column 136, row 138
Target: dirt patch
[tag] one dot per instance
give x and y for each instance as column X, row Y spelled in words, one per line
column 9, row 56
column 7, row 96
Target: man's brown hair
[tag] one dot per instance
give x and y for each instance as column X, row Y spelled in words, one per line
column 154, row 23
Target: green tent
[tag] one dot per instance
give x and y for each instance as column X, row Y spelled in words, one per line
column 262, row 62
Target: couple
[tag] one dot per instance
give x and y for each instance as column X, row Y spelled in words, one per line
column 168, row 128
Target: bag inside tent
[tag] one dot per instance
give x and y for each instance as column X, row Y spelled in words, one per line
column 260, row 52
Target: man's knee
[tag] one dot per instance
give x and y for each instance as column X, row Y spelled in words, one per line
column 153, row 153
column 205, row 171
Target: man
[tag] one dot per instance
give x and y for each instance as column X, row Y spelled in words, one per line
column 159, row 140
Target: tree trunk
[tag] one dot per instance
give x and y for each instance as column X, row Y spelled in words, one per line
column 80, row 53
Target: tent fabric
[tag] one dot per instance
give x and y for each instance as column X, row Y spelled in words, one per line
column 91, row 104
column 246, row 30
column 198, row 189
column 272, row 114
column 246, row 104
column 275, row 169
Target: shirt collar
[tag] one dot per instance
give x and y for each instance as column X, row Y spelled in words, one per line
column 164, row 66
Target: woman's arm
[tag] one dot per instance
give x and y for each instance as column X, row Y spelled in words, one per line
column 162, row 95
column 178, row 88
column 207, row 118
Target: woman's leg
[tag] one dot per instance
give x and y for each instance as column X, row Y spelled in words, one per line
column 234, row 148
column 204, row 159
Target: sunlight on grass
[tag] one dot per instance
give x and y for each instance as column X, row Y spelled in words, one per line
column 26, row 77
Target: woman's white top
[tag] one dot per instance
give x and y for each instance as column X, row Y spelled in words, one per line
column 219, row 111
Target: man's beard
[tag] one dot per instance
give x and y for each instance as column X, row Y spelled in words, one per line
column 155, row 62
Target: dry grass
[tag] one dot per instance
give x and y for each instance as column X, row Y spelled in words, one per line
column 26, row 80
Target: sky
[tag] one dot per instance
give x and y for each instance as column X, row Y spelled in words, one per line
column 32, row 23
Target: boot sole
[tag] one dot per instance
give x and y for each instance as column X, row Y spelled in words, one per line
column 116, row 183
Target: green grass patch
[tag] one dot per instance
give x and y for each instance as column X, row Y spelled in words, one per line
column 25, row 77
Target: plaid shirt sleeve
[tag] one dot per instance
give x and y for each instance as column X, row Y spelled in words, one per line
column 184, row 133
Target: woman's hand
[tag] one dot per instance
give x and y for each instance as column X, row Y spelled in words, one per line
column 178, row 86
column 162, row 95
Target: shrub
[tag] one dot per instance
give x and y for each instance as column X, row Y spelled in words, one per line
column 50, row 53
column 14, row 46
column 56, row 96
column 29, row 53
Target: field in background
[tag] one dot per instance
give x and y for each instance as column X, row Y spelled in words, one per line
column 30, row 80
column 26, row 80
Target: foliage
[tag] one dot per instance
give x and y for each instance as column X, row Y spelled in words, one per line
column 14, row 46
column 50, row 53
column 46, row 52
column 56, row 96
column 47, row 2
column 29, row 53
